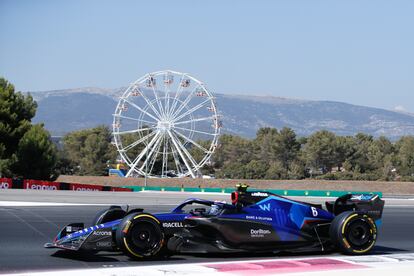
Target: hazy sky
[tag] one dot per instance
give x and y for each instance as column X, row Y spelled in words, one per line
column 360, row 52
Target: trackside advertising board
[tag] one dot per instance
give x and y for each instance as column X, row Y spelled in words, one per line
column 30, row 184
column 84, row 187
column 6, row 183
column 41, row 185
column 120, row 189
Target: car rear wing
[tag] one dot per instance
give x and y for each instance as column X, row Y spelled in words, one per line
column 369, row 204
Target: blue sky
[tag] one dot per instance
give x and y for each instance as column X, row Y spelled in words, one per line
column 361, row 52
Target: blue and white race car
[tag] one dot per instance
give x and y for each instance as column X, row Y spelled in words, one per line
column 255, row 221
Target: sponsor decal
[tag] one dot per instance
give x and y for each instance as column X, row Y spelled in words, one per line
column 260, row 194
column 85, row 187
column 172, row 224
column 361, row 197
column 72, row 229
column 102, row 233
column 259, row 233
column 259, row 218
column 41, row 185
column 4, row 185
column 265, row 207
column 104, row 244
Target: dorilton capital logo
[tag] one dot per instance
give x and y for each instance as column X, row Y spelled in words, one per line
column 259, row 233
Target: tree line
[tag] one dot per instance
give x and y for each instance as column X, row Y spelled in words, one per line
column 27, row 151
column 272, row 154
column 281, row 154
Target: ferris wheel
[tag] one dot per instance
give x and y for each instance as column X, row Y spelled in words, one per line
column 166, row 124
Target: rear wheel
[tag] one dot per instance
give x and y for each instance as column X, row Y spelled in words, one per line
column 353, row 233
column 140, row 236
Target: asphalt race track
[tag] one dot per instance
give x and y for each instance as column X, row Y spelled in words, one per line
column 24, row 230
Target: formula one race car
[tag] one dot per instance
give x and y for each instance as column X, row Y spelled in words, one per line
column 256, row 221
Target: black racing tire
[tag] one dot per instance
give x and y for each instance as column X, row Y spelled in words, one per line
column 106, row 215
column 353, row 233
column 141, row 236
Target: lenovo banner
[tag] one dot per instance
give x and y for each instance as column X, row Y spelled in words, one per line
column 41, row 185
column 6, row 183
column 84, row 187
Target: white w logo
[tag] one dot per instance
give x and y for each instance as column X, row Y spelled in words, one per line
column 265, row 207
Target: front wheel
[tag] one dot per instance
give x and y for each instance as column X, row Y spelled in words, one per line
column 140, row 236
column 353, row 233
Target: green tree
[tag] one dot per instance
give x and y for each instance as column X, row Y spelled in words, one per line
column 90, row 150
column 276, row 170
column 387, row 168
column 296, row 170
column 360, row 158
column 4, row 162
column 25, row 150
column 63, row 164
column 16, row 112
column 233, row 149
column 405, row 155
column 36, row 154
column 346, row 147
column 321, row 150
column 255, row 169
column 277, row 147
column 378, row 150
column 234, row 170
column 286, row 147
column 264, row 144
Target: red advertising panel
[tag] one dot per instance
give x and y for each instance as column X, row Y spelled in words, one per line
column 6, row 183
column 119, row 189
column 41, row 185
column 85, row 187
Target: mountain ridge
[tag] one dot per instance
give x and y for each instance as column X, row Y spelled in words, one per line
column 65, row 110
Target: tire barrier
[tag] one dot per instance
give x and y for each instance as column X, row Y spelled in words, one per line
column 30, row 184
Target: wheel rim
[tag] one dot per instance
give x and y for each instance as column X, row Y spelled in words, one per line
column 145, row 237
column 359, row 234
